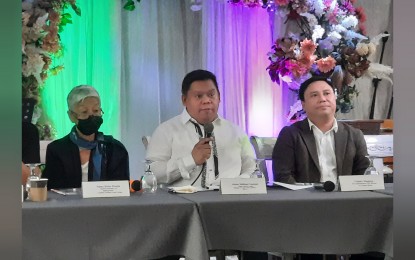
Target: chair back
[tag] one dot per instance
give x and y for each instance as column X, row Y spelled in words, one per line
column 263, row 147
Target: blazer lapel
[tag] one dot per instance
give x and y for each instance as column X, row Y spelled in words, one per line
column 76, row 159
column 310, row 141
column 340, row 147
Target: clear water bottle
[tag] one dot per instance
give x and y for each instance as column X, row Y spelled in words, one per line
column 371, row 170
column 149, row 180
column 257, row 172
column 33, row 175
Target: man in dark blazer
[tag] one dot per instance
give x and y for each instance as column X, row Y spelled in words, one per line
column 318, row 148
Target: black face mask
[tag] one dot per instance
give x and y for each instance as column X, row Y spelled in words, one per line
column 90, row 125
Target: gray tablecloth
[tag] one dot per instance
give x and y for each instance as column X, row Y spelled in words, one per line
column 304, row 221
column 388, row 189
column 142, row 226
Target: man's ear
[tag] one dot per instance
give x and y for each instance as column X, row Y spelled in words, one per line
column 72, row 117
column 184, row 98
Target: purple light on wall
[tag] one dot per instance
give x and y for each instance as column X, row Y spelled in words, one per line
column 237, row 42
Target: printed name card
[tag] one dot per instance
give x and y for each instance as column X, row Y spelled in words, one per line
column 361, row 182
column 243, row 186
column 105, row 189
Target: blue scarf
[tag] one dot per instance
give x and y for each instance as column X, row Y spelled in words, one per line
column 90, row 145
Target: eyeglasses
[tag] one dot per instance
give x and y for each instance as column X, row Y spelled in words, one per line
column 86, row 114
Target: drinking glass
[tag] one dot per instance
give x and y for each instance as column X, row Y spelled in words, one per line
column 371, row 170
column 257, row 172
column 33, row 175
column 149, row 180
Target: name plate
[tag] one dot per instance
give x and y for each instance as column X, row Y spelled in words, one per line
column 243, row 186
column 361, row 182
column 105, row 189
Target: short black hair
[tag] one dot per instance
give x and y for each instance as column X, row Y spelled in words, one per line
column 197, row 75
column 307, row 83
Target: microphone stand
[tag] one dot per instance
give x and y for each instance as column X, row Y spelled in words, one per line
column 376, row 80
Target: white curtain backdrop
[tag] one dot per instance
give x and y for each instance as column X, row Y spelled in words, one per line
column 236, row 46
column 160, row 44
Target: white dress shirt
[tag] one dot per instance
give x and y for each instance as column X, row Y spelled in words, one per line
column 326, row 151
column 172, row 143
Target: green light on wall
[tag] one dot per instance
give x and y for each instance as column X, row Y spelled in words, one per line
column 91, row 56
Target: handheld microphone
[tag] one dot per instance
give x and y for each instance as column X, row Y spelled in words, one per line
column 327, row 186
column 135, row 185
column 208, row 129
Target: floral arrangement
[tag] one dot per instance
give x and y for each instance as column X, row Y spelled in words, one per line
column 42, row 21
column 330, row 42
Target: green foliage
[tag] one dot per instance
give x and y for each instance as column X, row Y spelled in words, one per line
column 66, row 18
column 130, row 5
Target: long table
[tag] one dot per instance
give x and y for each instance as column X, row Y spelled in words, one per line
column 148, row 226
column 143, row 226
column 302, row 221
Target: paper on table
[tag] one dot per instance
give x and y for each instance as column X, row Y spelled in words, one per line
column 65, row 192
column 183, row 189
column 297, row 186
column 192, row 189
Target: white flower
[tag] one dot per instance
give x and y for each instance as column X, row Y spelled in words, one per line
column 334, row 37
column 317, row 33
column 285, row 78
column 350, row 21
column 25, row 18
column 318, row 8
column 350, row 35
column 30, row 34
column 332, row 6
column 33, row 66
column 40, row 22
column 339, row 28
column 311, row 19
column 362, row 49
column 31, row 49
column 380, row 71
column 372, row 48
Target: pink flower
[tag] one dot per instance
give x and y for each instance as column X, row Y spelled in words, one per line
column 282, row 2
column 327, row 3
column 308, row 47
column 326, row 64
column 296, row 68
column 307, row 61
column 332, row 17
